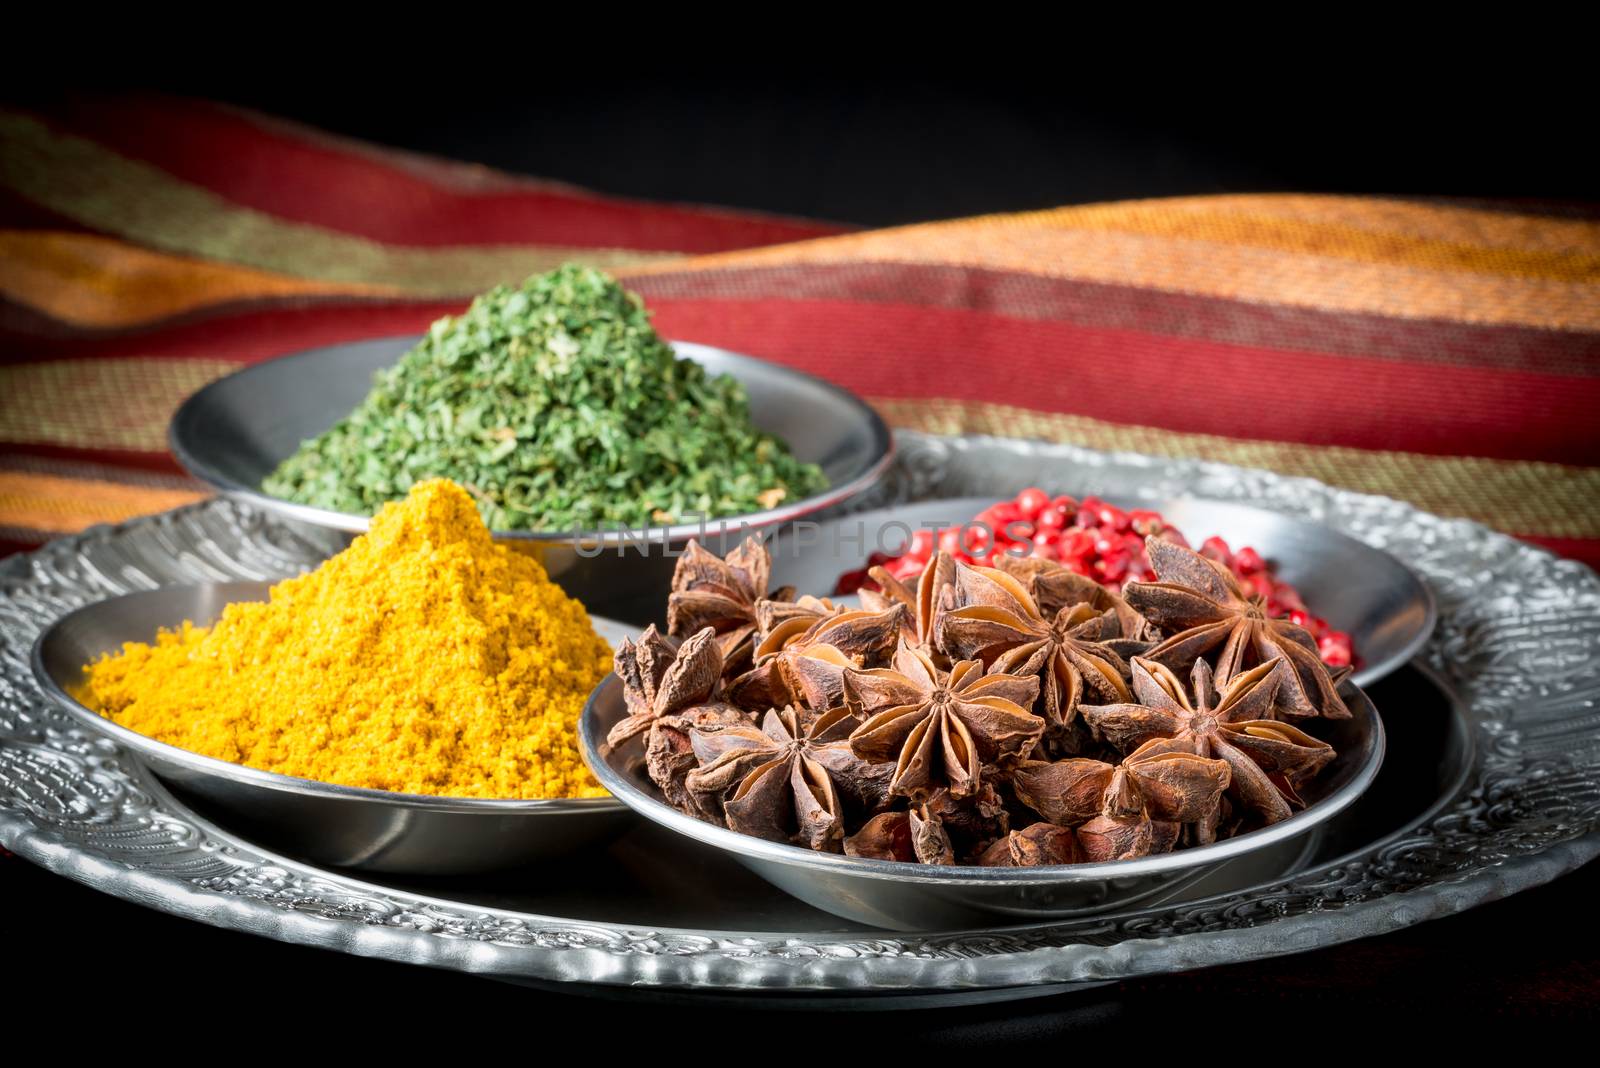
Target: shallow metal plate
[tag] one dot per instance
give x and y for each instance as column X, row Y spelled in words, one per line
column 345, row 826
column 237, row 430
column 1492, row 783
column 1383, row 605
column 930, row 897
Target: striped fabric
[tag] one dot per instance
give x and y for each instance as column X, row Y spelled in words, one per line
column 1443, row 352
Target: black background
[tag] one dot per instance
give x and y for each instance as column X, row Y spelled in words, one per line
column 881, row 149
column 874, row 138
column 860, row 144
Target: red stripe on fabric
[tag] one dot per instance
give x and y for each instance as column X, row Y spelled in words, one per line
column 294, row 178
column 20, row 324
column 257, row 332
column 1118, row 375
column 156, row 462
column 58, row 467
column 9, row 545
column 1178, row 384
column 1029, row 296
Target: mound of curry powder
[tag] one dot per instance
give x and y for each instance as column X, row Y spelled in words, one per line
column 424, row 659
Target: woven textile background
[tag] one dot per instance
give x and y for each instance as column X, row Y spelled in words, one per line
column 1443, row 352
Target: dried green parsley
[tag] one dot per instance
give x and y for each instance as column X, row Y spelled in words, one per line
column 558, row 407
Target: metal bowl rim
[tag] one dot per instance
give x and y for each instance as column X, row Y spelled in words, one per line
column 883, row 439
column 1407, row 652
column 271, row 780
column 748, row 846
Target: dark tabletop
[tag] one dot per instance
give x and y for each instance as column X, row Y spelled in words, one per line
column 1530, row 959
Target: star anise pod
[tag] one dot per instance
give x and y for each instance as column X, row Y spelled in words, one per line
column 669, row 756
column 669, row 688
column 782, row 782
column 1034, row 846
column 941, row 730
column 994, row 618
column 722, row 594
column 662, row 679
column 937, row 830
column 1200, row 605
column 779, row 622
column 972, row 821
column 1055, row 586
column 804, row 658
column 1132, row 809
column 924, row 603
column 1267, row 759
column 910, row 836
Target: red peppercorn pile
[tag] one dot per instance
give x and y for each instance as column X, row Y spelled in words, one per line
column 1103, row 542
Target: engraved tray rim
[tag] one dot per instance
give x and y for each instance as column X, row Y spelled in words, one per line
column 1528, row 812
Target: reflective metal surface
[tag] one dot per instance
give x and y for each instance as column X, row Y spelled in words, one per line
column 1383, row 605
column 235, row 432
column 903, row 896
column 345, row 826
column 1491, row 785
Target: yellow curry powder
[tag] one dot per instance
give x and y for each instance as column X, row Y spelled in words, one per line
column 424, row 659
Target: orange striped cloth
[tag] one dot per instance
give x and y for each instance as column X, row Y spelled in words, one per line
column 1443, row 352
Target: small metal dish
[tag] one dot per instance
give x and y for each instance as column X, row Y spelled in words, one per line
column 344, row 826
column 237, row 430
column 893, row 894
column 1385, row 608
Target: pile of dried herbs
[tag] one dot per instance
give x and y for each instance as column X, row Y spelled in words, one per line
column 1017, row 715
column 557, row 406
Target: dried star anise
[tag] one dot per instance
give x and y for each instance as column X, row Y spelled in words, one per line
column 1132, row 809
column 722, row 594
column 941, row 730
column 995, row 619
column 866, row 724
column 912, row 836
column 803, row 659
column 780, row 622
column 1033, row 846
column 924, row 604
column 936, row 830
column 972, row 821
column 669, row 757
column 1200, row 605
column 1055, row 586
column 782, row 782
column 669, row 690
column 662, row 679
column 1267, row 759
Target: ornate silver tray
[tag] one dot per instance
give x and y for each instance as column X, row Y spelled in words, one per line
column 1496, row 736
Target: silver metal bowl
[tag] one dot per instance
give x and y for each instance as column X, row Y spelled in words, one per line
column 893, row 894
column 1385, row 608
column 345, row 826
column 236, row 431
